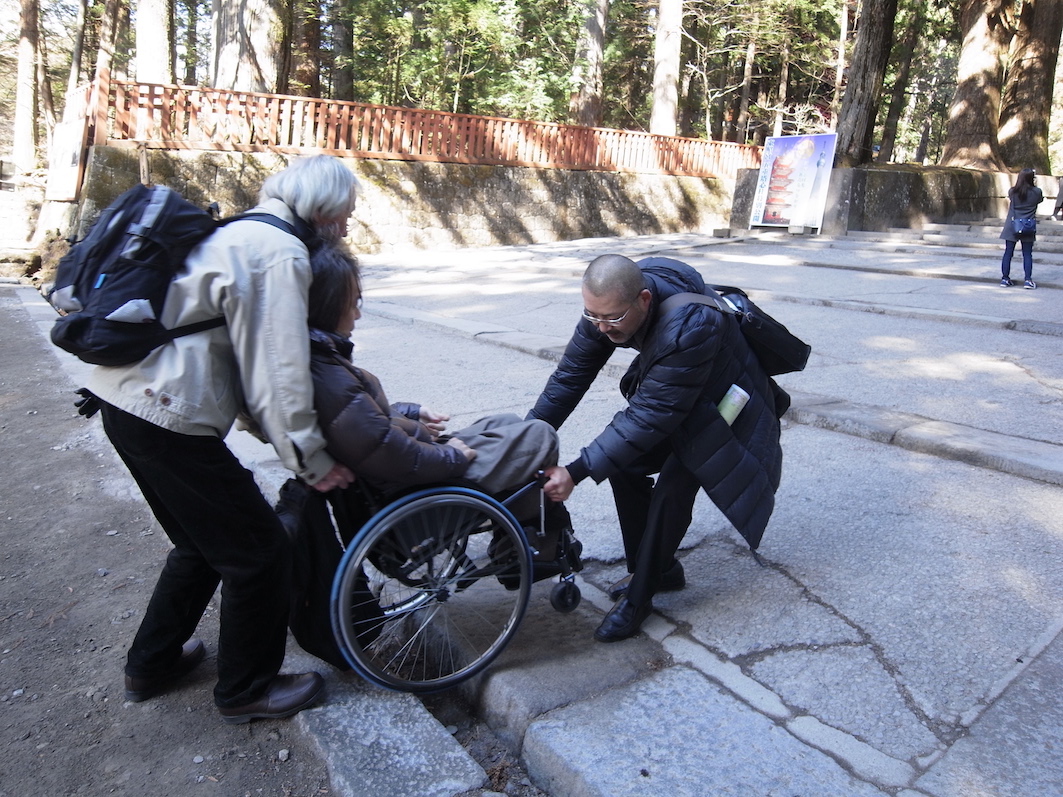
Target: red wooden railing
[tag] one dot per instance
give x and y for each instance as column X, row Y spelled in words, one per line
column 190, row 117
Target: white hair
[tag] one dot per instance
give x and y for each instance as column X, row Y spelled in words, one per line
column 317, row 188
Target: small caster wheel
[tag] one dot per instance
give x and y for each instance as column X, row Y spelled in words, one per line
column 565, row 597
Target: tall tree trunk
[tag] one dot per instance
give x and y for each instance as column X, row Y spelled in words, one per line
column 780, row 94
column 1026, row 105
column 974, row 116
column 75, row 57
column 742, row 117
column 839, row 66
column 171, row 37
column 585, row 103
column 26, row 135
column 717, row 122
column 667, row 47
column 124, row 43
column 856, row 122
column 690, row 100
column 903, row 56
column 343, row 52
column 153, row 42
column 112, row 13
column 305, row 49
column 46, row 102
column 924, row 142
column 248, row 39
column 191, row 41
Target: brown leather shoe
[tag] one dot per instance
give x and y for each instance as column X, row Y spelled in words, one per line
column 286, row 695
column 139, row 688
column 672, row 579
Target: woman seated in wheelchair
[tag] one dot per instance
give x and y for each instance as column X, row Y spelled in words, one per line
column 391, row 447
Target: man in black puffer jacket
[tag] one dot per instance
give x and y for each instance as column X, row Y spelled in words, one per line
column 688, row 359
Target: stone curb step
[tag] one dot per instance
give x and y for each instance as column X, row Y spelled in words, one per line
column 937, row 246
column 909, row 243
column 1031, row 459
column 1030, row 326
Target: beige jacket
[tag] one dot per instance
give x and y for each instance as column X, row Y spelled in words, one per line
column 257, row 277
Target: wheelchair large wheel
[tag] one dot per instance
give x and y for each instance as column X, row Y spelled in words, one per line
column 431, row 590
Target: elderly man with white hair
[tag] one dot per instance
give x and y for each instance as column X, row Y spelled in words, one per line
column 167, row 417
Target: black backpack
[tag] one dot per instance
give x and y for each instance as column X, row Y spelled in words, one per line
column 777, row 348
column 111, row 286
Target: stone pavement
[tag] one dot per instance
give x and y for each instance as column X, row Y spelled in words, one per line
column 901, row 633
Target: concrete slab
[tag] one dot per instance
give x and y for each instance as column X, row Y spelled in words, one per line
column 676, row 733
column 1022, row 727
column 1037, row 327
column 724, row 581
column 946, row 572
column 847, row 688
column 385, row 744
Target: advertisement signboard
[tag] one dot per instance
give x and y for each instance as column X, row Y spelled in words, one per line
column 793, row 180
column 64, row 163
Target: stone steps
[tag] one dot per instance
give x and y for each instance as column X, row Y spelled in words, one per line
column 975, row 239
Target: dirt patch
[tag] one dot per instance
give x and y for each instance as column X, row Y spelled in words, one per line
column 505, row 773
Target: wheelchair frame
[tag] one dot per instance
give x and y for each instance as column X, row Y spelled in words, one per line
column 434, row 585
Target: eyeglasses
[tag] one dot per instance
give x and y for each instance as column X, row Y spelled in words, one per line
column 610, row 322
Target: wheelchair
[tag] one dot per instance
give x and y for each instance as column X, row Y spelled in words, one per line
column 434, row 585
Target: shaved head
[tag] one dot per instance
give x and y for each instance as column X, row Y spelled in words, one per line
column 614, row 276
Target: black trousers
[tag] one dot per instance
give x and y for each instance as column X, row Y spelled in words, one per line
column 654, row 517
column 223, row 531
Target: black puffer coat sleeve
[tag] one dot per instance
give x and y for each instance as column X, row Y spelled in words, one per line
column 660, row 393
column 586, row 354
column 388, row 449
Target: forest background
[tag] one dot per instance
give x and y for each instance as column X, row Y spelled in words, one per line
column 966, row 83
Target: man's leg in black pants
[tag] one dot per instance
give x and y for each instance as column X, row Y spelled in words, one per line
column 670, row 512
column 632, row 494
column 667, row 520
column 222, row 529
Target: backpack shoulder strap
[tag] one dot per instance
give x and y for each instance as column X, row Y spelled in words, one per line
column 676, row 300
column 300, row 229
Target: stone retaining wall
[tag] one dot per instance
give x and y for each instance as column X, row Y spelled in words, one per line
column 417, row 205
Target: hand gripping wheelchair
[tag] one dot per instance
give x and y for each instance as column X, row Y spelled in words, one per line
column 434, row 585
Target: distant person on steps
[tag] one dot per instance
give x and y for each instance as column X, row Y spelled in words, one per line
column 1024, row 198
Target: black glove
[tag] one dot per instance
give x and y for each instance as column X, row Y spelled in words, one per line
column 89, row 405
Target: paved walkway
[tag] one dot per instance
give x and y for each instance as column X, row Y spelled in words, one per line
column 901, row 633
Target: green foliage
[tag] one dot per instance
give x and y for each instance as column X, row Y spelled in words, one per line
column 494, row 57
column 628, row 69
column 801, row 33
